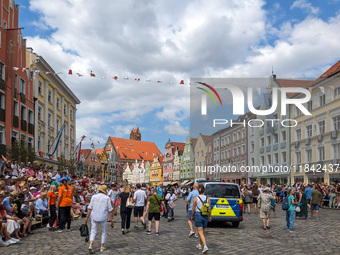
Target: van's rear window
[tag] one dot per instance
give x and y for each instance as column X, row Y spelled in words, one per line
column 227, row 191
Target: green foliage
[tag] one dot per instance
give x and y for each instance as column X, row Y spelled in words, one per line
column 21, row 152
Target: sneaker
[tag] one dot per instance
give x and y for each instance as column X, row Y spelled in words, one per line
column 197, row 236
column 291, row 231
column 127, row 231
column 157, row 233
column 48, row 225
column 68, row 230
column 123, row 232
column 3, row 244
column 11, row 241
column 135, row 227
column 59, row 230
column 191, row 233
column 317, row 218
column 90, row 250
column 205, row 249
column 8, row 242
column 15, row 240
column 169, row 220
column 199, row 246
column 148, row 232
column 51, row 229
column 144, row 225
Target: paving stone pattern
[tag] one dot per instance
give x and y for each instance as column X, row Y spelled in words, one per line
column 312, row 236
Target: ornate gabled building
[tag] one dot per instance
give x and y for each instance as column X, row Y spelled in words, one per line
column 156, row 176
column 147, row 173
column 91, row 162
column 168, row 161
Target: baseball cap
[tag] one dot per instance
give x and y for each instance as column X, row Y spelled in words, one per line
column 32, row 188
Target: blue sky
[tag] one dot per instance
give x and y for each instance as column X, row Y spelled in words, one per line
column 171, row 41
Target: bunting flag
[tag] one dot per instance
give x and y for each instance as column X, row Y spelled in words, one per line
column 58, row 140
column 79, row 74
column 310, row 89
column 115, row 77
column 268, row 88
column 92, row 74
column 70, row 72
column 182, row 82
column 322, row 89
column 148, row 80
column 258, row 90
column 82, row 138
column 159, row 81
column 47, row 73
column 15, row 68
column 137, row 79
column 23, row 69
column 332, row 87
column 126, row 78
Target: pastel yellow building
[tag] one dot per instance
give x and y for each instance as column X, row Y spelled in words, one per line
column 156, row 174
column 200, row 156
column 315, row 142
column 55, row 105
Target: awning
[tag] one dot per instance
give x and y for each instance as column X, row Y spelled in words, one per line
column 166, row 183
column 174, row 182
column 189, row 183
column 183, row 183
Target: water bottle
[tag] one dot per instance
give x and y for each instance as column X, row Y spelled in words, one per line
column 49, row 214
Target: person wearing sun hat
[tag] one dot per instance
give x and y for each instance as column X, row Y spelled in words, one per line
column 99, row 210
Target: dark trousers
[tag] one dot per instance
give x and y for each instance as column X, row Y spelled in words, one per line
column 125, row 215
column 166, row 206
column 65, row 217
column 53, row 215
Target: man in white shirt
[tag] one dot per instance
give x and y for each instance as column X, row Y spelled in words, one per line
column 113, row 193
column 171, row 198
column 139, row 198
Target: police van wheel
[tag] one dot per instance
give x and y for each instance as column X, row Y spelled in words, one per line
column 235, row 224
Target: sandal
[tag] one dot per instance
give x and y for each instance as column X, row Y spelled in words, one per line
column 102, row 248
column 90, row 250
column 30, row 233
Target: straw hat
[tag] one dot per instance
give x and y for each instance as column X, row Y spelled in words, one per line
column 22, row 183
column 103, row 189
column 31, row 179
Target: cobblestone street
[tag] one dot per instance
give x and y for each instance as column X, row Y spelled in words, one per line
column 311, row 236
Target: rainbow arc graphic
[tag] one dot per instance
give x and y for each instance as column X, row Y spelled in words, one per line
column 209, row 93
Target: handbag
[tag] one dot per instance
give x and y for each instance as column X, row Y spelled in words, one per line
column 298, row 209
column 171, row 204
column 84, row 231
column 128, row 203
column 160, row 207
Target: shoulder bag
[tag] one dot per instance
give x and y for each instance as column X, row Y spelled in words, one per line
column 160, row 207
column 128, row 203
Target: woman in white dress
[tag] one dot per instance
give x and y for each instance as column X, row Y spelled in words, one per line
column 99, row 210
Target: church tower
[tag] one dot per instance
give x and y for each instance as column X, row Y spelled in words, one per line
column 135, row 134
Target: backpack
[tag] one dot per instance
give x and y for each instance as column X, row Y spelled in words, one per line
column 84, row 231
column 205, row 207
column 285, row 204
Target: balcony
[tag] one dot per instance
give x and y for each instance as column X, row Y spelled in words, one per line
column 284, row 164
column 268, row 148
column 297, row 144
column 22, row 98
column 261, row 131
column 23, row 125
column 275, row 126
column 269, row 128
column 30, row 128
column 307, row 141
column 283, row 144
column 15, row 121
column 262, row 149
column 334, row 134
column 275, row 146
column 2, row 84
column 320, row 138
column 335, row 161
column 2, row 114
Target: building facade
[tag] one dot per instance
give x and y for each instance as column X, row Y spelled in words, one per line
column 188, row 161
column 168, row 162
column 16, row 89
column 209, row 160
column 156, row 173
column 91, row 162
column 55, row 111
column 147, row 173
column 253, row 150
column 200, row 152
column 315, row 140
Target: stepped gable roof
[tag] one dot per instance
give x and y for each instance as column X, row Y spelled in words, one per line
column 194, row 141
column 132, row 149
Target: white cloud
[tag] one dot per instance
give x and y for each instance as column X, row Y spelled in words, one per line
column 303, row 4
column 175, row 128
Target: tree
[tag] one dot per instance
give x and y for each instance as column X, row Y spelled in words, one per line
column 21, row 152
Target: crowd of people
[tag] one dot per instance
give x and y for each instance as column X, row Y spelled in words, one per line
column 32, row 192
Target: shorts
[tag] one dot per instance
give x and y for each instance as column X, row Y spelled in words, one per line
column 264, row 215
column 278, row 194
column 139, row 210
column 200, row 220
column 254, row 200
column 308, row 201
column 116, row 202
column 157, row 216
column 314, row 207
column 337, row 194
column 272, row 207
column 189, row 215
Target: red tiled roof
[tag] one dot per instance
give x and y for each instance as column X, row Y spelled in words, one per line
column 294, row 83
column 98, row 151
column 207, row 139
column 85, row 152
column 132, row 149
column 194, row 140
column 180, row 146
column 331, row 71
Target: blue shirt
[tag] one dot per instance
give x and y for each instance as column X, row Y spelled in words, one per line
column 160, row 191
column 191, row 197
column 291, row 206
column 308, row 192
column 57, row 178
column 40, row 205
column 278, row 190
column 7, row 203
column 66, row 177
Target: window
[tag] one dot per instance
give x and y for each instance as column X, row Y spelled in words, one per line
column 336, row 149
column 23, row 113
column 322, row 127
column 39, row 113
column 30, row 117
column 322, row 99
column 201, row 153
column 276, row 158
column 275, row 138
column 309, row 131
column 198, row 145
column 336, row 122
column 58, row 103
column 2, row 101
column 50, row 96
column 283, row 135
column 252, row 130
column 252, row 146
column 228, row 139
column 48, row 145
column 234, row 137
column 337, row 92
column 5, row 25
column 228, row 153
column 309, row 155
column 243, row 149
column 30, row 142
column 49, row 121
column 269, row 140
column 243, row 133
column 238, row 135
column 321, row 151
column 262, row 160
column 16, row 81
column 2, row 135
column 262, row 141
column 298, row 157
column 197, row 154
column 58, row 125
column 234, row 152
column 269, row 159
column 2, row 71
column 298, row 111
column 298, row 134
column 22, row 86
column 310, row 105
column 238, row 150
column 284, row 156
column 40, row 88
column 252, row 161
column 15, row 136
